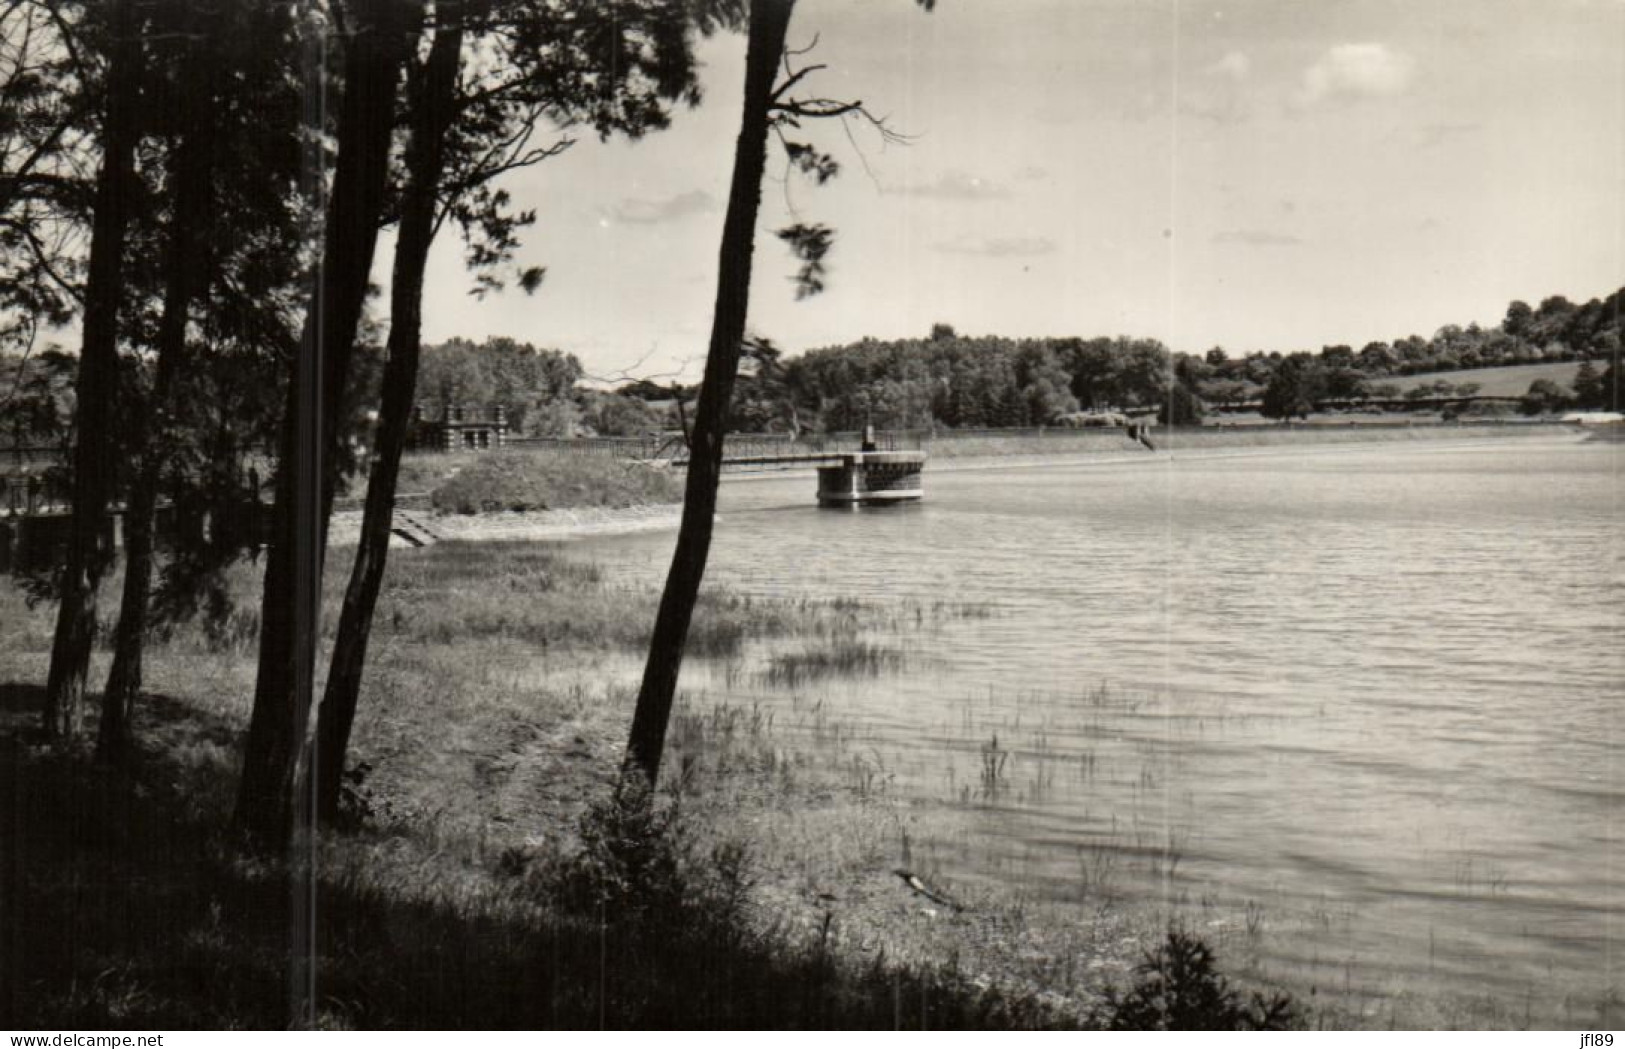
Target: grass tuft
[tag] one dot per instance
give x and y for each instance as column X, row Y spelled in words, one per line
column 835, row 657
column 1179, row 988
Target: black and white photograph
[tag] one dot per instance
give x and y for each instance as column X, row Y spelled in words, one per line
column 736, row 515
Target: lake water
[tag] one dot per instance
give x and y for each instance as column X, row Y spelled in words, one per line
column 1366, row 699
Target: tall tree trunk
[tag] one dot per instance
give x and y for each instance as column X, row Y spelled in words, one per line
column 87, row 554
column 769, row 22
column 305, row 479
column 190, row 167
column 432, row 112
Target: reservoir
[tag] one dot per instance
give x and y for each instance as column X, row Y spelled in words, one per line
column 1353, row 709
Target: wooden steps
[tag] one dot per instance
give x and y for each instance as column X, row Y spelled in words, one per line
column 412, row 530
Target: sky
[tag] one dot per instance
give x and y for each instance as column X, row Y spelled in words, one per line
column 1258, row 175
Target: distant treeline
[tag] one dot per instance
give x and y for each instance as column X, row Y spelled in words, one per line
column 948, row 379
column 943, row 379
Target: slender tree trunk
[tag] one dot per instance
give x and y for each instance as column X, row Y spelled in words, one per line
column 93, row 450
column 189, row 216
column 305, row 478
column 769, row 22
column 432, row 112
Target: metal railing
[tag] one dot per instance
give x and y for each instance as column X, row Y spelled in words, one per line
column 27, row 496
column 645, row 447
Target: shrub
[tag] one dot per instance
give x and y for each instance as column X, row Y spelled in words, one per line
column 630, row 861
column 638, row 866
column 529, row 481
column 1543, row 395
column 1182, row 408
column 1179, row 989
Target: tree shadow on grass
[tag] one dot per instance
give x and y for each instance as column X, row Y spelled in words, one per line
column 125, row 904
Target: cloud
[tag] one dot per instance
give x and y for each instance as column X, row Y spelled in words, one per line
column 1233, row 66
column 997, row 247
column 954, row 185
column 1032, row 173
column 1256, row 238
column 1352, row 71
column 652, row 212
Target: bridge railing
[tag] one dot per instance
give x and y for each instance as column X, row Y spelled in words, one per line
column 738, row 445
column 24, row 496
column 760, row 448
column 644, row 447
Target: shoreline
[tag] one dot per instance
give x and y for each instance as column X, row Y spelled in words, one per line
column 1088, row 448
column 1210, row 443
column 1243, row 445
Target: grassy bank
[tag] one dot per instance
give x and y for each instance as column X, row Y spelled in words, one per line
column 472, row 886
column 129, row 909
column 521, row 481
column 480, row 745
